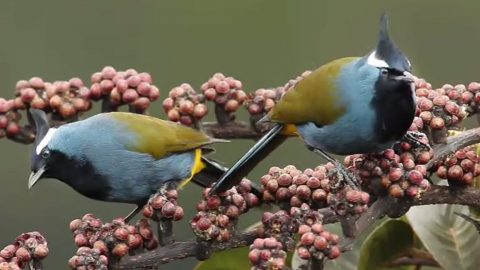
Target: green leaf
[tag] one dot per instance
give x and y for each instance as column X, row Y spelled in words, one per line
column 387, row 242
column 348, row 260
column 453, row 242
column 233, row 259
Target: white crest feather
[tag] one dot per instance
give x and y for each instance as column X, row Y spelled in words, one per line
column 374, row 61
column 44, row 142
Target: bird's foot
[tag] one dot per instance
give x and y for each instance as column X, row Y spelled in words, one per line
column 416, row 139
column 344, row 177
column 342, row 173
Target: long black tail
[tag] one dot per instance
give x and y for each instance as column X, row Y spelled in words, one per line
column 212, row 172
column 269, row 142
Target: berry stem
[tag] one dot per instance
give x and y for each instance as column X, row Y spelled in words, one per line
column 107, row 105
column 316, row 264
column 132, row 109
column 165, row 231
column 37, row 265
column 223, row 117
column 349, row 228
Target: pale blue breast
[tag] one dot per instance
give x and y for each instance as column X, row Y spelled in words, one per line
column 103, row 141
column 354, row 131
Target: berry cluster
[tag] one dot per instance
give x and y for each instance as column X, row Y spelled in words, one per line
column 400, row 175
column 150, row 240
column 280, row 226
column 474, row 105
column 291, row 83
column 349, row 201
column 262, row 100
column 64, row 98
column 9, row 119
column 460, row 168
column 315, row 242
column 463, row 95
column 185, row 105
column 266, row 254
column 224, row 91
column 115, row 238
column 441, row 108
column 27, row 247
column 163, row 206
column 304, row 217
column 124, row 87
column 218, row 214
column 290, row 185
column 419, row 151
column 88, row 258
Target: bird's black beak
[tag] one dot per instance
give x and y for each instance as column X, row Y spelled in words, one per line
column 408, row 77
column 405, row 77
column 35, row 176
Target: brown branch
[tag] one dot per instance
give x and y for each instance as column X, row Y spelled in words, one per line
column 231, row 130
column 466, row 138
column 449, row 195
column 180, row 250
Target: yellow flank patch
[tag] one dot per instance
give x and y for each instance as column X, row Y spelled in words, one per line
column 158, row 137
column 198, row 166
column 313, row 99
column 290, row 130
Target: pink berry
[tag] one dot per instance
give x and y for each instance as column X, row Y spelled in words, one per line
column 36, row 83
column 455, row 173
column 67, row 110
column 154, row 93
column 173, row 115
column 200, row 110
column 186, row 106
column 145, row 77
column 130, row 96
column 40, row 252
column 28, row 94
column 122, row 85
column 108, row 72
column 120, row 250
column 222, row 87
column 134, row 81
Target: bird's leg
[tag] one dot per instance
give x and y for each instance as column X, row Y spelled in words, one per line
column 341, row 170
column 415, row 139
column 133, row 213
column 164, row 225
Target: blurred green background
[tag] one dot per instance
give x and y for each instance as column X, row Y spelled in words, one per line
column 262, row 43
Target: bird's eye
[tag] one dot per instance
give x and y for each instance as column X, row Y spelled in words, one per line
column 45, row 153
column 384, row 71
